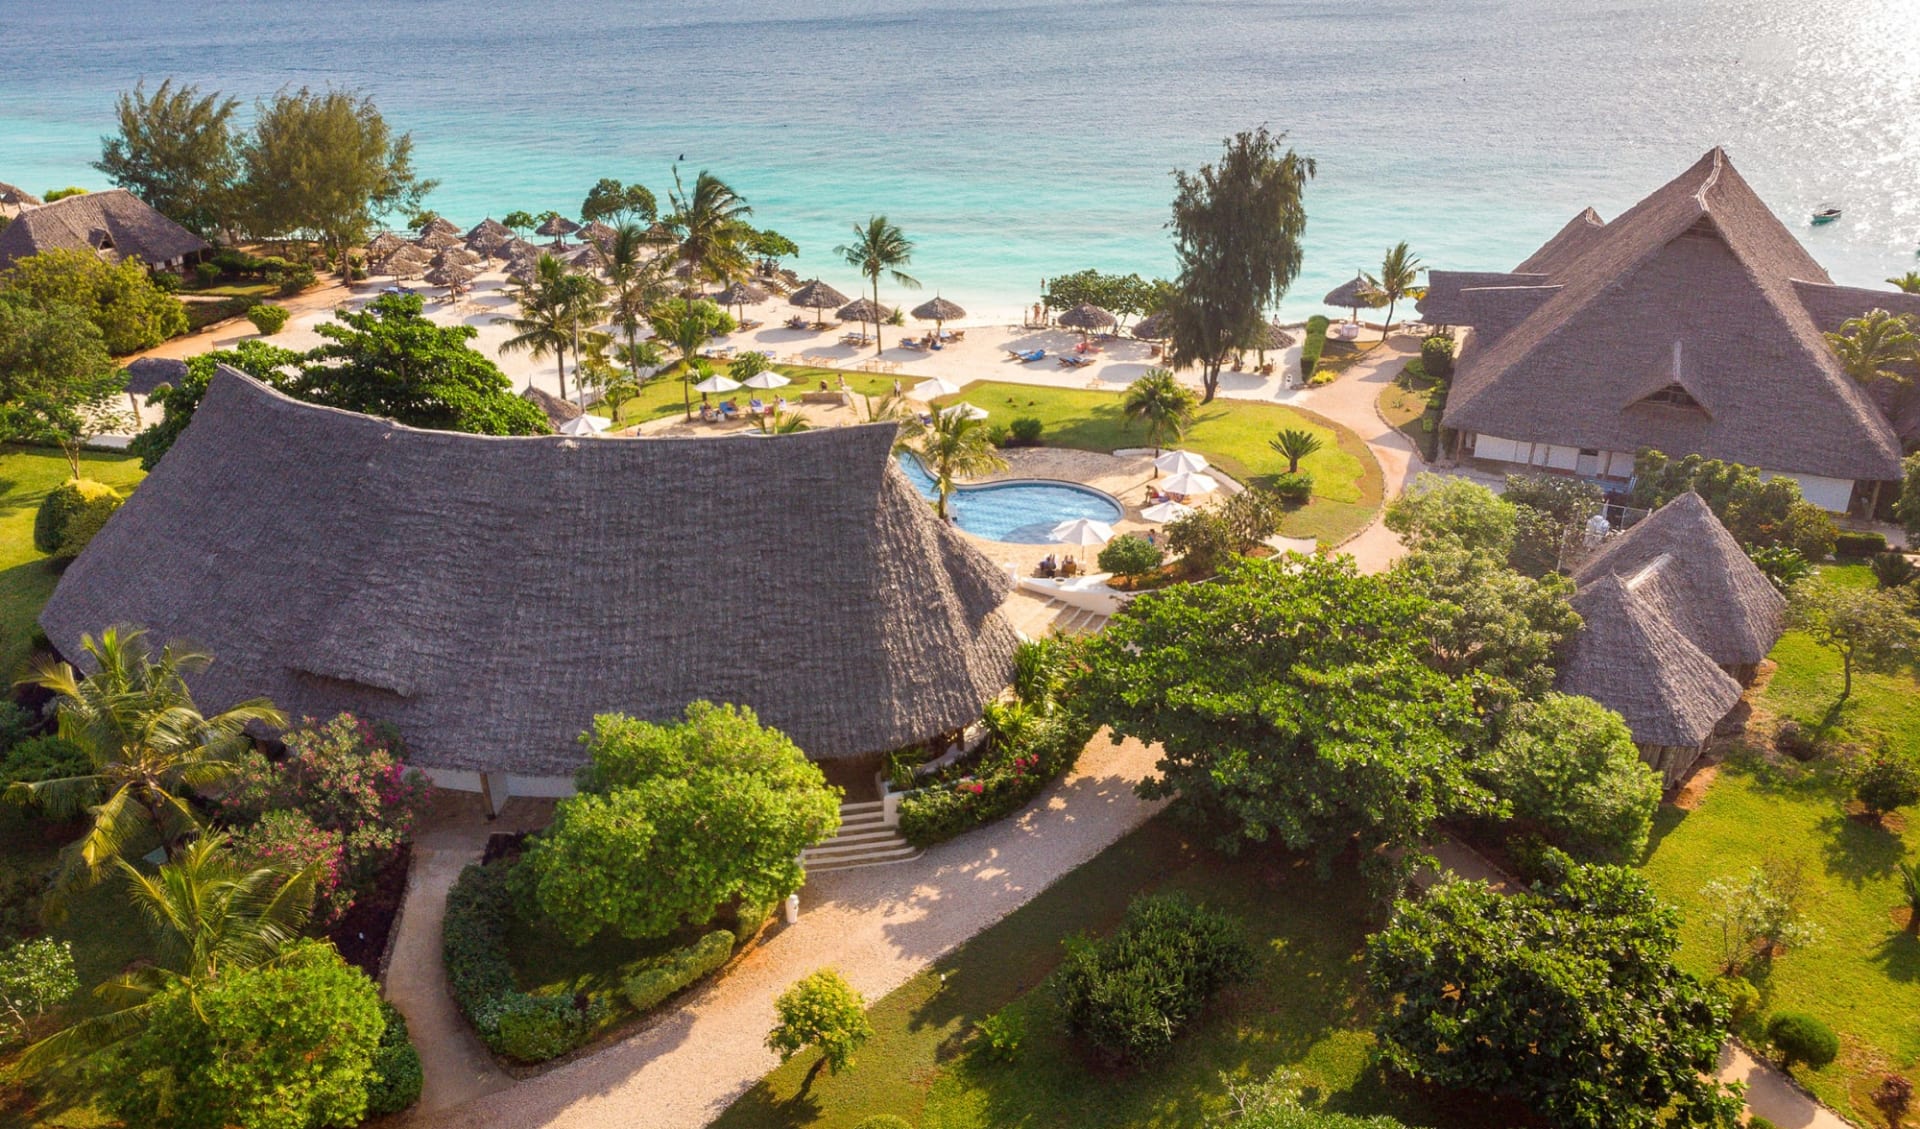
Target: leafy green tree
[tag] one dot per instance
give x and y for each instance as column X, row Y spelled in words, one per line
column 268, row 363
column 1759, row 513
column 1569, row 767
column 1203, row 540
column 1551, row 512
column 820, row 1010
column 543, row 326
column 325, row 165
column 36, row 976
column 1130, row 556
column 953, row 447
column 388, row 359
column 1868, row 628
column 288, row 1046
column 520, row 221
column 1399, row 272
column 1888, row 781
column 770, row 246
column 1294, row 444
column 1476, row 614
column 688, row 324
column 57, row 383
column 711, row 223
column 1759, row 913
column 120, row 298
column 1237, row 227
column 1906, row 508
column 674, row 821
column 1876, row 346
column 1438, row 509
column 1564, row 997
column 879, row 248
column 53, row 194
column 176, row 150
column 619, row 204
column 148, row 745
column 1162, row 403
column 1124, row 295
column 1289, row 700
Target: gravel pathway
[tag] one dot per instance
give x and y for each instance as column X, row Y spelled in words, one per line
column 878, row 926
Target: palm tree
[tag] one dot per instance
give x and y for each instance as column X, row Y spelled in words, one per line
column 1164, row 404
column 210, row 917
column 1908, row 283
column 714, row 233
column 954, row 446
column 1293, row 445
column 682, row 324
column 635, row 282
column 147, row 748
column 1398, row 272
column 544, row 325
column 784, row 423
column 879, row 248
column 581, row 298
column 1870, row 345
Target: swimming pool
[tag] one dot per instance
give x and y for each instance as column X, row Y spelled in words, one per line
column 1021, row 512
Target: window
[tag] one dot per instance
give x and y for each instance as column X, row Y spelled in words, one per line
column 1673, row 396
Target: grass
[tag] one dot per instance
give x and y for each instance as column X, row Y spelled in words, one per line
column 1410, row 407
column 28, row 474
column 664, row 395
column 1863, row 976
column 232, row 289
column 1304, row 1010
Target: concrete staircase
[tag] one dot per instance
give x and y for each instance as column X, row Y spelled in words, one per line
column 863, row 840
column 1036, row 616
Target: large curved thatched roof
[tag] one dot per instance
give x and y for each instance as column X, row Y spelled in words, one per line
column 488, row 595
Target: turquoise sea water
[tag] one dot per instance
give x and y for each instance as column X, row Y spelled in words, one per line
column 1016, row 140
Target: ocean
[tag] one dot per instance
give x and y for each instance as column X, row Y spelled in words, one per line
column 1017, row 140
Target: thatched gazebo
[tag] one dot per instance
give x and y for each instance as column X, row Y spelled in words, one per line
column 557, row 228
column 938, row 311
column 1355, row 295
column 863, row 310
column 1087, row 317
column 384, row 244
column 410, row 261
column 817, row 296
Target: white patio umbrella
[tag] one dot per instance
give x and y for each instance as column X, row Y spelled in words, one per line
column 963, row 408
column 585, row 425
column 1166, row 511
column 1081, row 531
column 717, row 383
column 1188, row 482
column 934, row 387
column 767, row 380
column 1179, row 462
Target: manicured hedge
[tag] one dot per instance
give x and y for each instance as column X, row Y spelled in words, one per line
column 71, row 514
column 1848, row 543
column 1315, row 343
column 394, row 1082
column 473, row 949
column 646, row 988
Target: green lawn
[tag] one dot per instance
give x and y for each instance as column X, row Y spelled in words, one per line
column 26, row 580
column 1304, row 1010
column 1863, row 976
column 1408, row 404
column 665, row 394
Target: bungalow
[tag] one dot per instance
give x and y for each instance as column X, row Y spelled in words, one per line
column 14, row 200
column 1690, row 324
column 487, row 596
column 115, row 225
column 1676, row 619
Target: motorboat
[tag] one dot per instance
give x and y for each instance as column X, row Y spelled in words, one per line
column 1826, row 215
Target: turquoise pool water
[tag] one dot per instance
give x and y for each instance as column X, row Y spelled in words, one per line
column 1020, row 512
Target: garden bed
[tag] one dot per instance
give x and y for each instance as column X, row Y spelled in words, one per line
column 362, row 932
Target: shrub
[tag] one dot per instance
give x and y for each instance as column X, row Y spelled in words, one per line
column 1783, row 565
column 1040, row 669
column 749, row 363
column 287, row 840
column 1742, row 998
column 1002, row 1033
column 17, row 723
column 1130, row 555
column 35, row 977
column 1202, row 539
column 1800, row 1037
column 393, row 1082
column 1130, row 994
column 71, row 514
column 293, row 279
column 536, row 1028
column 1318, row 323
column 1887, row 782
column 821, row 1010
column 473, row 951
column 1892, row 570
column 1314, row 344
column 1798, row 742
column 998, row 435
column 1436, row 355
column 646, row 988
column 1012, row 773
column 1854, row 544
column 1026, row 430
column 43, row 758
column 1893, row 1098
column 1293, row 489
column 269, row 320
column 165, row 281
column 1568, row 765
column 206, row 274
column 1755, row 1121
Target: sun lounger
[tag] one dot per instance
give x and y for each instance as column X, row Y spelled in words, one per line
column 1028, row 358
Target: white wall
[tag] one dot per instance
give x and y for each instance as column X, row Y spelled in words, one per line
column 535, row 787
column 1831, row 494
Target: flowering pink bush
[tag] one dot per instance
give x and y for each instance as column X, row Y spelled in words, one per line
column 287, row 840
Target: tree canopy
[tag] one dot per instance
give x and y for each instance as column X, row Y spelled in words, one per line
column 1443, row 509
column 130, row 311
column 1569, row 768
column 56, row 380
column 615, row 203
column 674, row 821
column 1123, row 295
column 1759, row 513
column 1564, row 997
column 1870, row 629
column 1290, row 700
column 178, row 401
column 1477, row 614
column 175, row 150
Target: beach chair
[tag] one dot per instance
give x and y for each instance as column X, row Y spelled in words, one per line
column 1035, row 355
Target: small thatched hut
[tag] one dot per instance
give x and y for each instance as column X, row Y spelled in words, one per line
column 558, row 411
column 114, row 225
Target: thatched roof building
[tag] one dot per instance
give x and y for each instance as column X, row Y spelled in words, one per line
column 488, row 596
column 1690, row 324
column 557, row 410
column 14, row 200
column 146, row 374
column 115, row 225
column 1675, row 617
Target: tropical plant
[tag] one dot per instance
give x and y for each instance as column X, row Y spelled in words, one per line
column 1888, row 781
column 1162, row 403
column 1908, row 283
column 1479, row 616
column 715, row 237
column 636, row 281
column 1892, row 569
column 175, row 151
column 821, row 1010
column 120, row 298
column 544, row 325
column 1871, row 346
column 1131, row 556
column 36, row 976
column 1910, row 890
column 1437, row 509
column 147, row 744
column 520, row 221
column 954, row 446
column 1759, row 913
column 1569, row 767
column 879, row 247
column 1398, row 273
column 687, row 325
column 1783, row 565
column 784, row 423
column 1294, row 444
column 623, row 204
column 1868, row 628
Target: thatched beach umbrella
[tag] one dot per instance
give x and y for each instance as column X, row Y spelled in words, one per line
column 938, row 311
column 1271, row 336
column 557, row 229
column 863, row 311
column 523, row 270
column 1087, row 317
column 437, row 240
column 517, row 248
column 585, row 259
column 487, row 244
column 1154, row 327
column 816, row 296
column 440, row 225
column 382, row 245
column 599, row 234
column 489, row 228
column 742, row 294
column 408, row 262
column 1353, row 295
column 454, row 278
column 455, row 257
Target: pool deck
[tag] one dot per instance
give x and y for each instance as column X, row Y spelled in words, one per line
column 1125, row 477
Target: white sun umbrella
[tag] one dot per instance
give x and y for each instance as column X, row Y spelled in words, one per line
column 1081, row 531
column 1189, row 482
column 934, row 387
column 767, row 380
column 1166, row 511
column 963, row 408
column 717, row 383
column 585, row 425
column 1179, row 462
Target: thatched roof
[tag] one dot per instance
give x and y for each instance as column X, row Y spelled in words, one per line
column 516, row 249
column 599, row 234
column 488, row 596
column 489, row 228
column 1154, row 327
column 557, row 226
column 558, row 411
column 114, row 224
column 384, row 244
column 450, row 276
column 1086, row 315
column 816, row 295
column 441, row 225
column 1631, row 659
column 406, row 262
column 863, row 309
column 1699, row 286
column 436, row 239
column 1686, row 562
column 149, row 373
column 455, row 257
column 18, row 197
column 1353, row 295
column 939, row 309
column 1271, row 336
column 740, row 294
